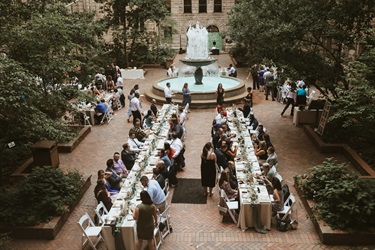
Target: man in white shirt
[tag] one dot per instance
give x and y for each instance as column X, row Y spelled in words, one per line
column 120, row 82
column 168, row 93
column 134, row 144
column 135, row 107
column 170, row 71
column 220, row 118
column 232, row 71
column 178, row 155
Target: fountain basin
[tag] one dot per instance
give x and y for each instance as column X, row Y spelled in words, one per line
column 203, row 96
column 198, row 63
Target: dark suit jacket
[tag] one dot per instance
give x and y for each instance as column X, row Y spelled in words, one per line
column 114, row 180
column 221, row 159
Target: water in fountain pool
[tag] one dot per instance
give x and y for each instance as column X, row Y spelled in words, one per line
column 210, row 83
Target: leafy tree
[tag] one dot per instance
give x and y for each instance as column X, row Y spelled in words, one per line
column 52, row 42
column 128, row 20
column 310, row 37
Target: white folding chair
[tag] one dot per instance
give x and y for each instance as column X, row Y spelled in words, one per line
column 108, row 114
column 89, row 231
column 310, row 97
column 282, row 215
column 86, row 119
column 164, row 219
column 101, row 211
column 166, row 187
column 158, row 239
column 232, row 205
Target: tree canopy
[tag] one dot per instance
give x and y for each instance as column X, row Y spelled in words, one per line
column 312, row 38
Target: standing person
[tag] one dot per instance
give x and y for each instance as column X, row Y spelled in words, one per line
column 249, row 97
column 290, row 96
column 130, row 97
column 135, row 107
column 168, row 93
column 147, row 219
column 261, row 78
column 153, row 108
column 109, row 84
column 220, row 93
column 208, row 168
column 186, row 96
column 119, row 82
column 232, row 71
column 170, row 71
column 156, row 193
column 301, row 97
column 254, row 74
column 269, row 81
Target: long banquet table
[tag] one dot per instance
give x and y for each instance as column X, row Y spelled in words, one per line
column 247, row 166
column 128, row 198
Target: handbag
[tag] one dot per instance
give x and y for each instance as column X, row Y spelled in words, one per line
column 282, row 225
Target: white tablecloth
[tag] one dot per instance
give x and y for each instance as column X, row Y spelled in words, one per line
column 129, row 226
column 245, row 218
column 132, row 73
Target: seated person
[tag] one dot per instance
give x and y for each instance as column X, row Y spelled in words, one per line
column 232, row 175
column 104, row 176
column 160, row 165
column 128, row 156
column 267, row 139
column 169, row 151
column 220, row 118
column 261, row 151
column 95, row 91
column 149, row 119
column 272, row 156
column 268, row 173
column 119, row 165
column 102, row 195
column 158, row 177
column 100, row 110
column 134, row 144
column 220, row 156
column 278, row 196
column 225, row 185
column 253, row 121
column 231, row 152
column 182, row 115
column 153, row 108
column 114, row 179
column 138, row 131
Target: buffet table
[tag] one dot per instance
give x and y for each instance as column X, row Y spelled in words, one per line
column 247, row 166
column 132, row 73
column 306, row 116
column 129, row 195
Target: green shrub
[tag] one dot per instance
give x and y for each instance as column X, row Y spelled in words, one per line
column 4, row 241
column 343, row 200
column 45, row 193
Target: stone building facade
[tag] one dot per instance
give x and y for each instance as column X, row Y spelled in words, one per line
column 212, row 14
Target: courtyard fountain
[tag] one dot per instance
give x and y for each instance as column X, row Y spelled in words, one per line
column 201, row 72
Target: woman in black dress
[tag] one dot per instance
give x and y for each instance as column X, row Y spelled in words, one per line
column 220, row 93
column 101, row 194
column 208, row 168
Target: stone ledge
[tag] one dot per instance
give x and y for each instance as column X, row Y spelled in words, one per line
column 362, row 167
column 49, row 230
column 334, row 237
column 70, row 146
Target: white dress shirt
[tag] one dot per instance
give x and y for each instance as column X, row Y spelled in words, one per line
column 120, row 82
column 167, row 92
column 135, row 105
column 177, row 146
column 134, row 144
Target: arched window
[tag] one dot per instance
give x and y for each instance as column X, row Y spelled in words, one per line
column 212, row 28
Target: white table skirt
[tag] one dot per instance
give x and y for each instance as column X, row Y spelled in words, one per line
column 132, row 73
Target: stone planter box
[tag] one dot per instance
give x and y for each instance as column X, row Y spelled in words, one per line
column 70, row 146
column 334, row 237
column 361, row 166
column 46, row 231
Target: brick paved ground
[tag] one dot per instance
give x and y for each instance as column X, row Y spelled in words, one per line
column 198, row 226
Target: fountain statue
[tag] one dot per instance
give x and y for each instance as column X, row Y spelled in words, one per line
column 197, row 53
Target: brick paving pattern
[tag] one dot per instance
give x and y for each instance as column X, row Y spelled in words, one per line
column 198, row 226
